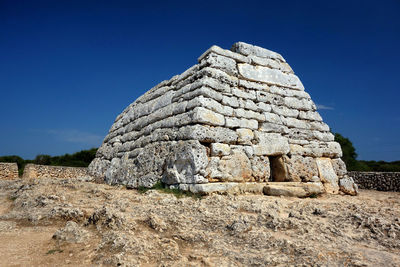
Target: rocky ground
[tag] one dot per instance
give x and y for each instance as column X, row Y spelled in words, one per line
column 51, row 222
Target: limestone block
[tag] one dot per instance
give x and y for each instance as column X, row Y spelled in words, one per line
column 241, row 123
column 219, row 149
column 202, row 91
column 202, row 115
column 269, row 76
column 310, row 115
column 211, row 104
column 185, row 161
column 215, row 60
column 208, row 188
column 207, row 134
column 270, row 63
column 245, row 136
column 284, row 111
column 270, row 144
column 284, row 91
column 213, row 82
column 212, row 171
column 188, row 80
column 273, row 128
column 223, row 52
column 348, row 186
column 272, row 118
column 205, row 81
column 180, row 107
column 105, row 151
column 319, row 126
column 339, row 166
column 248, row 104
column 168, row 134
column 300, row 104
column 185, row 118
column 293, row 189
column 248, row 114
column 298, row 142
column 98, row 167
column 253, row 85
column 313, row 149
column 230, row 101
column 269, row 98
column 219, row 75
column 262, row 107
column 301, row 169
column 248, row 49
column 157, row 115
column 295, row 123
column 159, row 102
column 246, row 94
column 248, row 150
column 323, row 136
column 300, row 134
column 334, row 150
column 112, row 173
column 261, row 168
column 328, row 175
column 143, row 109
column 236, row 167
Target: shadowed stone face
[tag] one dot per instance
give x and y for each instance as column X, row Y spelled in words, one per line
column 278, row 169
column 236, row 116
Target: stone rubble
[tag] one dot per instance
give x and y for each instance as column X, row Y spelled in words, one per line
column 238, row 116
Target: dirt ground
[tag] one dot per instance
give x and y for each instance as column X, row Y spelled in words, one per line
column 54, row 222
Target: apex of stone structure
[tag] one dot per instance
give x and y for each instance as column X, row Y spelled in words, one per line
column 236, row 121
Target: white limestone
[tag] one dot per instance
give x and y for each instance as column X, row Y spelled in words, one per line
column 235, row 119
column 269, row 76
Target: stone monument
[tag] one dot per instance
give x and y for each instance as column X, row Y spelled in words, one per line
column 239, row 119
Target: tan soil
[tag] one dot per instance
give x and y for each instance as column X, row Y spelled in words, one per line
column 115, row 226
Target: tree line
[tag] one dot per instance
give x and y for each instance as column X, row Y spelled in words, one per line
column 352, row 164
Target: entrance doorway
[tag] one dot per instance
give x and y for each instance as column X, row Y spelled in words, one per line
column 278, row 169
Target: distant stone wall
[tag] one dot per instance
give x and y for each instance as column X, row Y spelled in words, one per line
column 8, row 171
column 382, row 181
column 45, row 171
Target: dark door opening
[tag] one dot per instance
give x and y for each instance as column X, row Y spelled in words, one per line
column 278, row 169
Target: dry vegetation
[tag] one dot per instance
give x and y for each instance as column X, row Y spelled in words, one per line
column 51, row 222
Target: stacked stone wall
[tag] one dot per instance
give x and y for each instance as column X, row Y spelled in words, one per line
column 222, row 120
column 8, row 171
column 382, row 181
column 45, row 171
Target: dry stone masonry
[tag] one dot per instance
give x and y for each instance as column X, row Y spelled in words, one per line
column 238, row 120
column 382, row 181
column 8, row 171
column 32, row 171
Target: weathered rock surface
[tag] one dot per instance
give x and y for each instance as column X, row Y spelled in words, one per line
column 129, row 228
column 294, row 189
column 236, row 116
column 71, row 233
column 348, row 186
column 327, row 175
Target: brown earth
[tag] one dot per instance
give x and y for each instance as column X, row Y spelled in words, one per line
column 54, row 222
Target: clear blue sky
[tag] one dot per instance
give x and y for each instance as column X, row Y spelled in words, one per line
column 68, row 68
